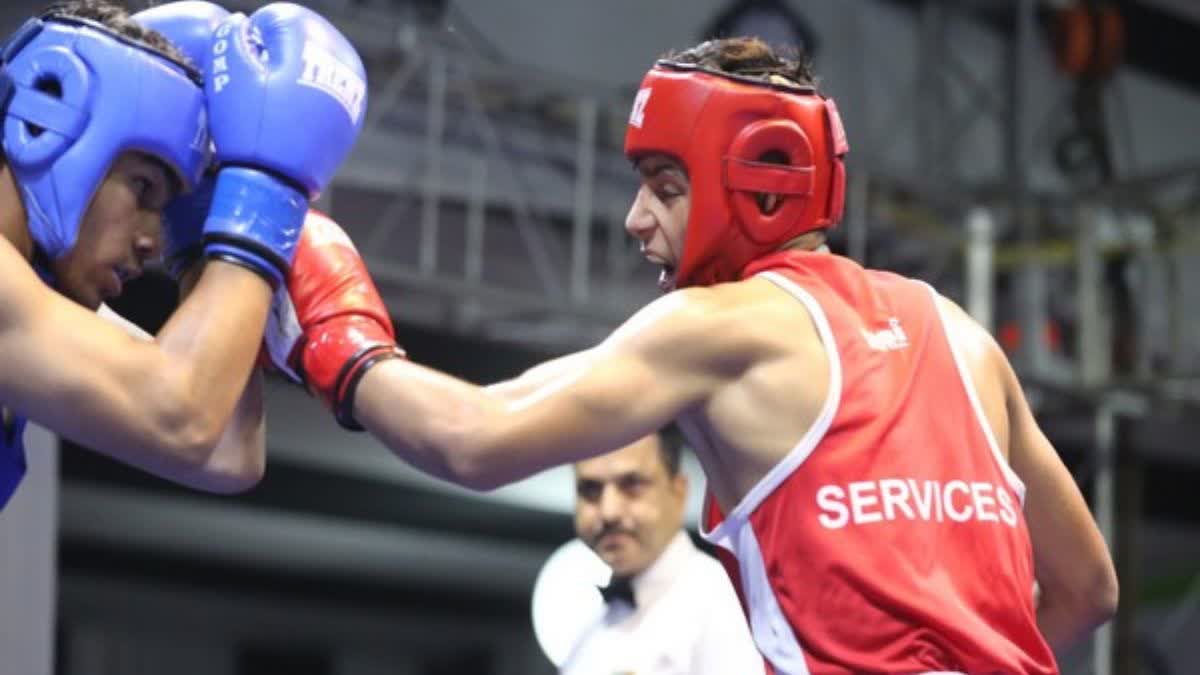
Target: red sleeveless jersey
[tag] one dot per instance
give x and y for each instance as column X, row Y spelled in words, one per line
column 891, row 538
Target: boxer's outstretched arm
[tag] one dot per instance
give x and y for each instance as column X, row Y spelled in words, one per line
column 160, row 406
column 661, row 362
column 539, row 375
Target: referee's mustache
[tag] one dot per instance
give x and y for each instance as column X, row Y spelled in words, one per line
column 612, row 529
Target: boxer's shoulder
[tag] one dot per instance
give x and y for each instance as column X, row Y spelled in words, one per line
column 727, row 326
column 761, row 316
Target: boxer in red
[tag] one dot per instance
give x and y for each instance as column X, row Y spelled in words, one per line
column 881, row 491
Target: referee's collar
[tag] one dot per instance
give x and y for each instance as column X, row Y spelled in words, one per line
column 652, row 583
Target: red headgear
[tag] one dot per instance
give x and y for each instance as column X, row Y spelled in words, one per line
column 720, row 126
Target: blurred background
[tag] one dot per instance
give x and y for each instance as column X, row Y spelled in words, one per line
column 1037, row 161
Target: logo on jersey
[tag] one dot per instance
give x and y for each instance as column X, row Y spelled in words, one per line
column 323, row 71
column 887, row 340
column 638, row 115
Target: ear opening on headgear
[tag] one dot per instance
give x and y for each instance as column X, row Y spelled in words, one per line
column 767, row 177
column 769, row 157
column 46, row 83
column 50, row 84
column 769, row 202
column 47, row 110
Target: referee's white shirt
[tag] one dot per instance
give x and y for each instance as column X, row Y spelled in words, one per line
column 688, row 620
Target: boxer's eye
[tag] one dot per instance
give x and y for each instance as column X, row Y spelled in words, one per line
column 151, row 193
column 141, row 189
column 667, row 195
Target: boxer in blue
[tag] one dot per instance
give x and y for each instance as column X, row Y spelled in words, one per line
column 104, row 124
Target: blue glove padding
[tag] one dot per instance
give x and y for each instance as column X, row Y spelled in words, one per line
column 255, row 220
column 286, row 94
column 183, row 227
column 188, row 24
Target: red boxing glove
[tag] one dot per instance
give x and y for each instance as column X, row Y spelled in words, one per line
column 328, row 326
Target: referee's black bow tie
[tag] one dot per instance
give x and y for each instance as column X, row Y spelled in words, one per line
column 618, row 589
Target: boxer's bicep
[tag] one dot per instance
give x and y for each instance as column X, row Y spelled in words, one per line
column 239, row 459
column 538, row 376
column 636, row 382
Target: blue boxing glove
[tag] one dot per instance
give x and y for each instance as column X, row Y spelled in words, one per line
column 286, row 97
column 187, row 24
column 183, row 228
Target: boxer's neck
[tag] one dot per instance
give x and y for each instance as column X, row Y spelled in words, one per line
column 14, row 223
column 809, row 241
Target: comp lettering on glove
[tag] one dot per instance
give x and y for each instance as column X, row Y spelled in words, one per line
column 220, row 64
column 888, row 499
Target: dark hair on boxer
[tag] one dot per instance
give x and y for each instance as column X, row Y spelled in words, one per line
column 116, row 18
column 752, row 57
column 749, row 57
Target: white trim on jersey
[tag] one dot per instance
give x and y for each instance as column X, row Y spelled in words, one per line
column 722, row 534
column 770, row 628
column 1014, row 481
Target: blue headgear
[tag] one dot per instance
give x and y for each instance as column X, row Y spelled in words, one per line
column 73, row 96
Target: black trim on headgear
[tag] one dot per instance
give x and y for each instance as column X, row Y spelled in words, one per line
column 788, row 88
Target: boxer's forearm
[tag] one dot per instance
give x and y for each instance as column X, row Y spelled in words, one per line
column 459, row 432
column 432, row 421
column 1063, row 624
column 211, row 342
column 239, row 459
column 479, row 439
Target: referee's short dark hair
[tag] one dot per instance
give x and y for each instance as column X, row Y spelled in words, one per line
column 670, row 449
